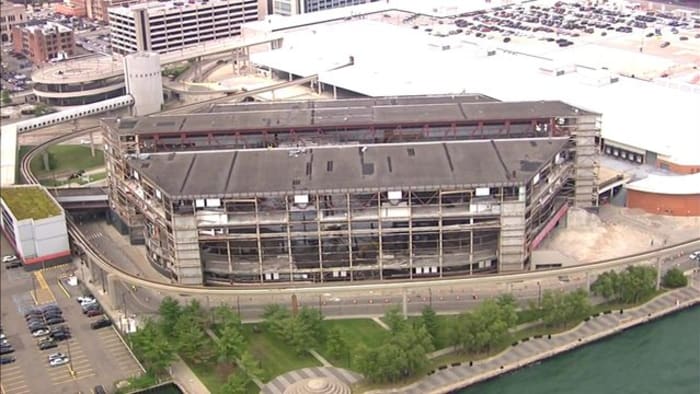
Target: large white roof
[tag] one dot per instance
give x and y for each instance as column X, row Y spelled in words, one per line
column 397, row 60
column 662, row 184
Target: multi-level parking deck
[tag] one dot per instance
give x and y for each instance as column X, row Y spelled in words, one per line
column 267, row 133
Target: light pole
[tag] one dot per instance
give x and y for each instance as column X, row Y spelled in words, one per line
column 539, row 294
column 70, row 360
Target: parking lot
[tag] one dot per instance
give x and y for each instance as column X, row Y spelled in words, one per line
column 95, row 356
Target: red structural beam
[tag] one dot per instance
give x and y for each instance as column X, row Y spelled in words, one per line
column 548, row 227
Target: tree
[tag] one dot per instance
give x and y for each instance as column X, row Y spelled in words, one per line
column 169, row 312
column 394, row 319
column 236, row 384
column 674, row 278
column 336, row 346
column 153, row 348
column 194, row 309
column 250, row 365
column 191, row 340
column 311, row 320
column 487, row 326
column 231, row 343
column 559, row 309
column 607, row 285
column 429, row 319
column 630, row 286
column 223, row 315
column 6, row 99
column 403, row 355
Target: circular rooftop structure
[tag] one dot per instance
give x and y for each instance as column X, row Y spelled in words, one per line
column 320, row 385
column 80, row 81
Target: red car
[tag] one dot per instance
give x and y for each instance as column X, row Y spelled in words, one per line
column 94, row 312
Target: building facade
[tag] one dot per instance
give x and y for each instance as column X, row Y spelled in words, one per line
column 294, row 7
column 97, row 10
column 167, row 26
column 377, row 188
column 43, row 42
column 76, row 8
column 35, row 225
column 10, row 15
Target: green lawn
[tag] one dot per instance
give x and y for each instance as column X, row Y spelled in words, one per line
column 68, row 159
column 354, row 332
column 274, row 355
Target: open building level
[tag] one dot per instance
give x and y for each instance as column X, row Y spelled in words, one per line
column 352, row 189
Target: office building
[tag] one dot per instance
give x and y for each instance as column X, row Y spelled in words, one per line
column 44, row 41
column 168, row 26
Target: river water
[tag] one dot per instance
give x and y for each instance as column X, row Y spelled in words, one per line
column 661, row 357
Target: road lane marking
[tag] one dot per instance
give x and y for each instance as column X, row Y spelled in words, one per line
column 63, row 288
column 77, row 378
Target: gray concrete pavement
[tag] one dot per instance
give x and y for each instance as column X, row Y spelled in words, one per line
column 97, row 356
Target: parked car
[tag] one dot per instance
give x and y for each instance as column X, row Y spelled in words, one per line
column 99, row 390
column 9, row 258
column 7, row 349
column 51, row 307
column 55, row 320
column 40, row 332
column 47, row 344
column 60, row 335
column 85, row 298
column 58, row 359
column 94, row 312
column 665, row 44
column 104, row 322
column 695, row 255
column 6, row 360
column 90, row 307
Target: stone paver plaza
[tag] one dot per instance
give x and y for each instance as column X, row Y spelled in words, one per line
column 280, row 384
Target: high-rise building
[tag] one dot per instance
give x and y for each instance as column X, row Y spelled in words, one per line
column 10, row 15
column 43, row 42
column 294, row 7
column 166, row 26
column 97, row 9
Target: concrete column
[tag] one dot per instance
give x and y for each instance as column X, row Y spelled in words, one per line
column 588, row 282
column 658, row 273
column 404, row 303
column 112, row 283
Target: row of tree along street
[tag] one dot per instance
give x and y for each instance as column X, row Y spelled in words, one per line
column 491, row 326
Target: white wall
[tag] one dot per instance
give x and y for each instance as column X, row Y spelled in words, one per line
column 143, row 82
column 8, row 156
column 50, row 236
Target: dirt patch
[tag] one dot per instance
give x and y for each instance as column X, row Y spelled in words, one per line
column 589, row 237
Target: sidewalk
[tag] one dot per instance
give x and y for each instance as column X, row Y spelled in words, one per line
column 188, row 381
column 451, row 378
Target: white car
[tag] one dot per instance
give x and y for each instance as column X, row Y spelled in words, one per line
column 55, row 362
column 695, row 255
column 88, row 300
column 9, row 258
column 40, row 333
column 56, row 355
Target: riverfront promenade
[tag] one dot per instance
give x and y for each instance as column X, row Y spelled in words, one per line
column 452, row 378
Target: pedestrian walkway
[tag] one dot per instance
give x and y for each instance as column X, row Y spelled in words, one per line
column 320, row 358
column 279, row 384
column 451, row 378
column 183, row 375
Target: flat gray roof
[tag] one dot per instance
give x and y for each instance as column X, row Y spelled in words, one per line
column 352, row 168
column 363, row 112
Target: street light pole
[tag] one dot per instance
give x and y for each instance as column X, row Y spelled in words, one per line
column 539, row 294
column 70, row 360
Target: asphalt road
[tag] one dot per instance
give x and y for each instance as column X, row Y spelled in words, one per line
column 97, row 356
column 144, row 302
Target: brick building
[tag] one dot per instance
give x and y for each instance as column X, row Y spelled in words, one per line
column 10, row 15
column 43, row 42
